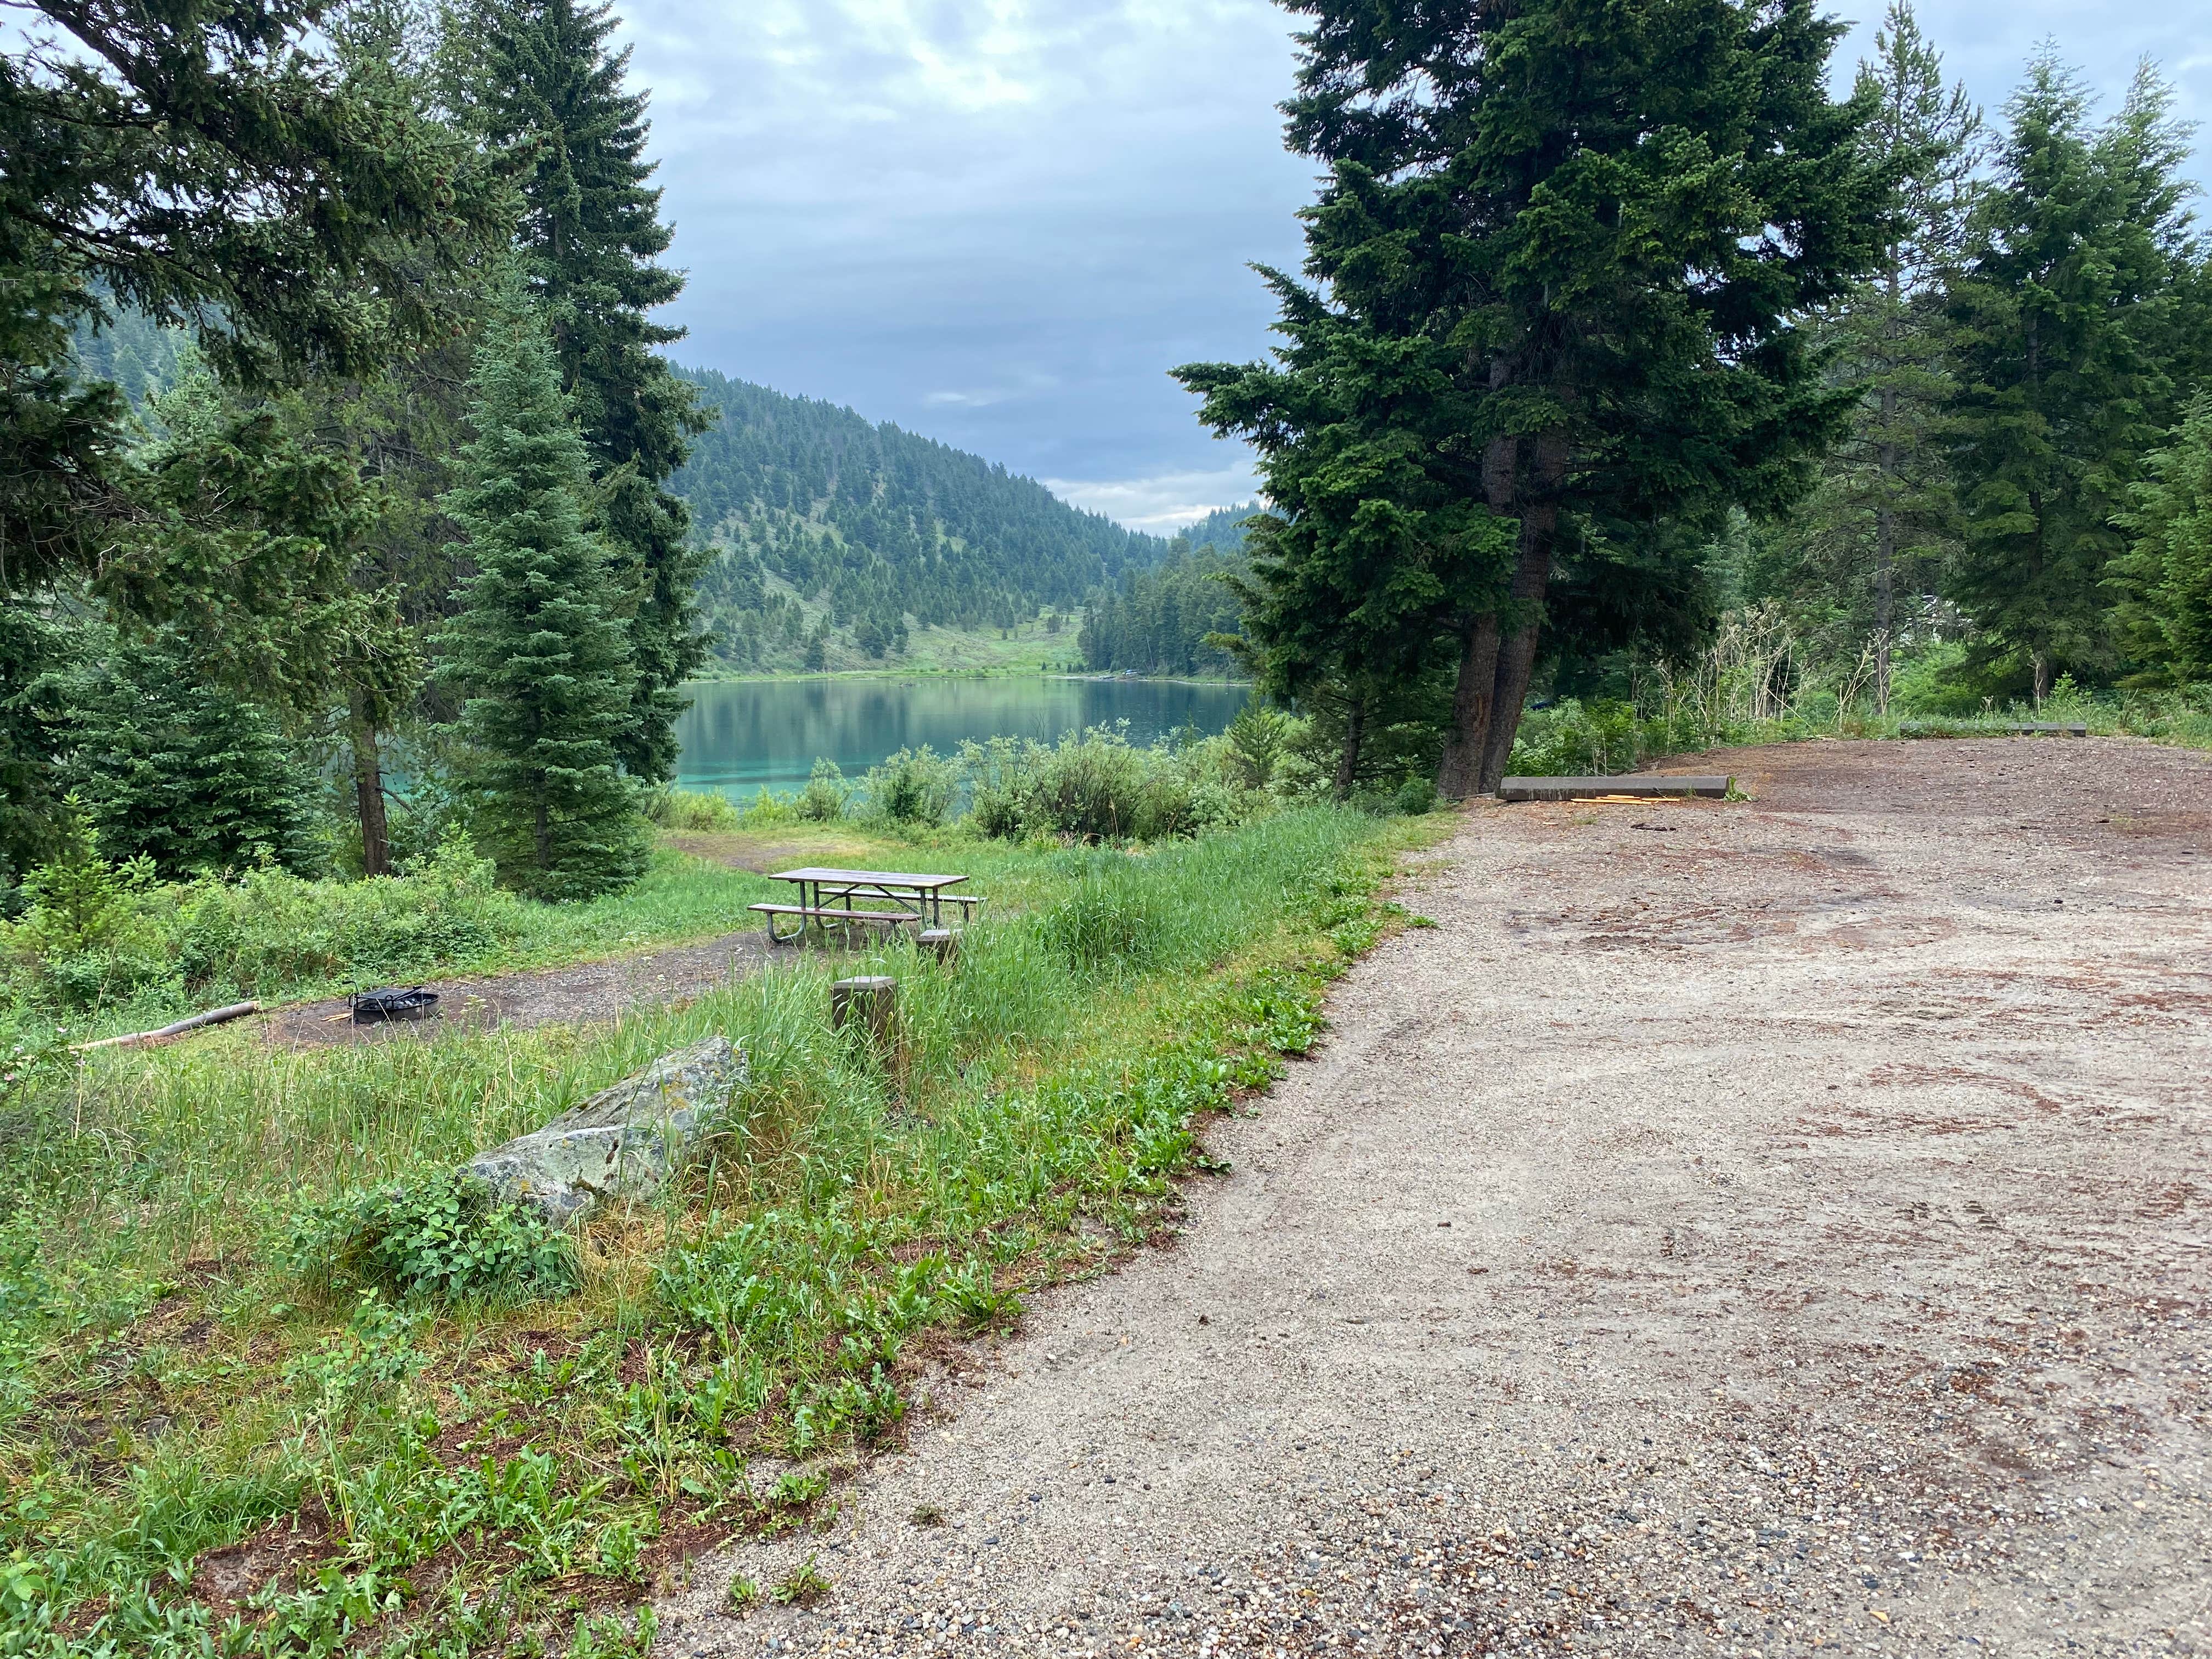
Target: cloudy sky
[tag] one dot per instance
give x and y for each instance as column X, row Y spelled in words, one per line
column 999, row 222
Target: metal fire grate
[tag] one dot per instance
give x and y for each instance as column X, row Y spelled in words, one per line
column 370, row 1008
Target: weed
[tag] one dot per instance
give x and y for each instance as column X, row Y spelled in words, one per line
column 445, row 1234
column 607, row 1636
column 925, row 1515
column 802, row 1586
column 797, row 1489
column 743, row 1595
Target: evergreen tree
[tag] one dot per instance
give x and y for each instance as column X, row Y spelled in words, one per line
column 2071, row 314
column 186, row 773
column 547, row 88
column 31, row 646
column 1882, row 508
column 1564, row 247
column 2165, row 581
column 538, row 650
column 207, row 167
column 200, row 165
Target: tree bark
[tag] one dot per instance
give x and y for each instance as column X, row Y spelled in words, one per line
column 368, row 792
column 1355, row 731
column 1460, row 773
column 1884, row 553
column 1532, row 574
column 1517, row 653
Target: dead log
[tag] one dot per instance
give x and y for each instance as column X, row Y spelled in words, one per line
column 140, row 1039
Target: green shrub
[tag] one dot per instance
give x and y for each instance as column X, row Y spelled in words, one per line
column 915, row 787
column 1416, row 796
column 694, row 809
column 445, row 1235
column 1095, row 786
column 268, row 930
column 822, row 801
column 1578, row 739
column 84, row 939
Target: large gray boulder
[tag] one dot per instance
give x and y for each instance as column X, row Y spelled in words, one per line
column 624, row 1142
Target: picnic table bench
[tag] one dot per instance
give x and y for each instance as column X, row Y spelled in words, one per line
column 885, row 898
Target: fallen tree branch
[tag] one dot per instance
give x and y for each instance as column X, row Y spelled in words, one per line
column 213, row 1016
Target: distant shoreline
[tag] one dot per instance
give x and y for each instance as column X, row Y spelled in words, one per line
column 789, row 678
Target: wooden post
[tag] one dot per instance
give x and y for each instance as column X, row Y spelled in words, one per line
column 940, row 942
column 872, row 1000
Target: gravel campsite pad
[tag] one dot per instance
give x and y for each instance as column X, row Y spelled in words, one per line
column 583, row 991
column 1734, row 1228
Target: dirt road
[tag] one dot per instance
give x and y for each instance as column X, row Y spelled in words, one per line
column 1734, row 1228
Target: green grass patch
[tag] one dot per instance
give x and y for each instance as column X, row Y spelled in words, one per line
column 242, row 1303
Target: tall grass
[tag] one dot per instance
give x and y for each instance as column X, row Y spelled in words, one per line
column 169, row 1382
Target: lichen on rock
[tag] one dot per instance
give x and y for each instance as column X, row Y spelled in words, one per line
column 624, row 1142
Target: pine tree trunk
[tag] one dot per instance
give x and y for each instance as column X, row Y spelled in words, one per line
column 1460, row 773
column 368, row 792
column 1532, row 575
column 1885, row 558
column 1355, row 732
column 1516, row 654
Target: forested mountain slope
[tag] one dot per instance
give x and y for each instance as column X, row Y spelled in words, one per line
column 1159, row 621
column 826, row 522
column 1224, row 528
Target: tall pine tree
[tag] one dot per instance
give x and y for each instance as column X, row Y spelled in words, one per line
column 2073, row 315
column 545, row 86
column 1578, row 234
column 1880, row 515
column 538, row 650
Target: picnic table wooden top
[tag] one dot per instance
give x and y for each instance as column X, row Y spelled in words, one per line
column 868, row 878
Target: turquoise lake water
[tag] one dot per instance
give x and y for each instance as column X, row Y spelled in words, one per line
column 739, row 737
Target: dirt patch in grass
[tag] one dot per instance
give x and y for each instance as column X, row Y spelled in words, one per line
column 583, row 992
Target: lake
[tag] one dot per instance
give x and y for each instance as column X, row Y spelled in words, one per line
column 738, row 737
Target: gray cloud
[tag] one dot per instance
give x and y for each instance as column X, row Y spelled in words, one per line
column 999, row 222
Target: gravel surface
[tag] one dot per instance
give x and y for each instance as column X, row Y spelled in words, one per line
column 582, row 991
column 1734, row 1228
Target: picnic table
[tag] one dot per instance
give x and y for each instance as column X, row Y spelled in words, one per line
column 885, row 898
